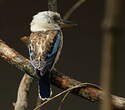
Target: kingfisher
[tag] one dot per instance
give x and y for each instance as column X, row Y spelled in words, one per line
column 45, row 44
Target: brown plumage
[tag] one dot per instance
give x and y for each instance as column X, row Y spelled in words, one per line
column 40, row 45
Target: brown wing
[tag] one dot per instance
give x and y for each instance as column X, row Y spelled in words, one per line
column 40, row 44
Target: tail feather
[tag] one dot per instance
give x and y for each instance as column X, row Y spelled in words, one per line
column 44, row 86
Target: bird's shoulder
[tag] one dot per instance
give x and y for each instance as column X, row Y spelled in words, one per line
column 42, row 35
column 41, row 42
column 42, row 38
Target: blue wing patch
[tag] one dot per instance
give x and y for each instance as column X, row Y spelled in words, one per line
column 56, row 45
column 53, row 52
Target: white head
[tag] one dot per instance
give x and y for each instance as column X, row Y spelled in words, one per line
column 46, row 20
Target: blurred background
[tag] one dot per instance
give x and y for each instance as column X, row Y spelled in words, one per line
column 81, row 54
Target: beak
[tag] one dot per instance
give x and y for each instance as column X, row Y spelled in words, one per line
column 67, row 24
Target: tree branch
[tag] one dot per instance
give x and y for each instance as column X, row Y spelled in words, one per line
column 73, row 8
column 91, row 92
column 52, row 5
column 110, row 27
column 23, row 93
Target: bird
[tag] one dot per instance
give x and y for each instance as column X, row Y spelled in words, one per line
column 45, row 45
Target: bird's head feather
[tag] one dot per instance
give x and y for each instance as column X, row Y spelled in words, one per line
column 44, row 21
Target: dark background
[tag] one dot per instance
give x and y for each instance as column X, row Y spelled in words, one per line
column 81, row 54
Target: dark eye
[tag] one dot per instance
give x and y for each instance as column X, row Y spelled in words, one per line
column 56, row 18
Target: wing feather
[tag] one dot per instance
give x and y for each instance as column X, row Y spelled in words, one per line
column 43, row 49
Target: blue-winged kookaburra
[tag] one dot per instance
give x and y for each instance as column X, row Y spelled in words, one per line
column 45, row 45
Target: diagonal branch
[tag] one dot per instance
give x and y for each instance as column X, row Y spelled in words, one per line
column 13, row 57
column 73, row 8
column 61, row 93
column 90, row 92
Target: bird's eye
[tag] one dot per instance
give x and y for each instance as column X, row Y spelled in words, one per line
column 56, row 18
